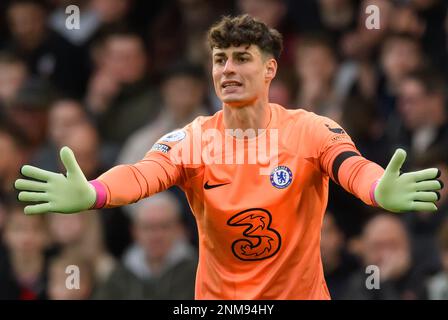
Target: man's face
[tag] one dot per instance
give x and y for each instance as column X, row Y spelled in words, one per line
column 400, row 57
column 12, row 76
column 25, row 235
column 126, row 58
column 156, row 229
column 315, row 62
column 27, row 22
column 385, row 244
column 413, row 104
column 64, row 116
column 241, row 75
column 182, row 94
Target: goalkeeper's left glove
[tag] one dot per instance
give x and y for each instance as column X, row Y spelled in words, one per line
column 412, row 191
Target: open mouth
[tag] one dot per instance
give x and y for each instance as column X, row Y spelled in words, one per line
column 231, row 84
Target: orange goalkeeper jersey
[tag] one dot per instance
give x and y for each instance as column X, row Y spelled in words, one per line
column 259, row 231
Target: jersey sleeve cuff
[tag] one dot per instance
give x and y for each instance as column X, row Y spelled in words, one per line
column 372, row 193
column 101, row 194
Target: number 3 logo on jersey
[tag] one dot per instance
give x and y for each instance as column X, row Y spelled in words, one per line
column 260, row 242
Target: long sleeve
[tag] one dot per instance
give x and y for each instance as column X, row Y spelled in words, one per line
column 125, row 184
column 156, row 172
column 345, row 165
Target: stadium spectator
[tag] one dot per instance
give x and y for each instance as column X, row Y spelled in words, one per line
column 82, row 237
column 13, row 73
column 407, row 21
column 316, row 67
column 63, row 270
column 84, row 139
column 161, row 264
column 338, row 263
column 23, row 269
column 423, row 114
column 400, row 54
column 29, row 111
column 183, row 98
column 119, row 93
column 14, row 153
column 386, row 245
column 46, row 53
column 337, row 17
column 363, row 43
column 64, row 116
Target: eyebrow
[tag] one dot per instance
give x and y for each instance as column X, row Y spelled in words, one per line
column 239, row 53
column 236, row 53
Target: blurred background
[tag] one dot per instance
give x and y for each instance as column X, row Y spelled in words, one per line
column 137, row 69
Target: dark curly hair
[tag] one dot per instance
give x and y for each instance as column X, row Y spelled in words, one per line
column 245, row 30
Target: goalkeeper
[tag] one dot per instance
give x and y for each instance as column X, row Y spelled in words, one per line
column 259, row 234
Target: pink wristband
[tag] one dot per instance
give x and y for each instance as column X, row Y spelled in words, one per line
column 372, row 193
column 101, row 194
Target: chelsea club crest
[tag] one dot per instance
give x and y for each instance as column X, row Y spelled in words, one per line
column 281, row 177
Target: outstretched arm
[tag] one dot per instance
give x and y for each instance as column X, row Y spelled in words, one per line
column 388, row 189
column 125, row 184
column 70, row 193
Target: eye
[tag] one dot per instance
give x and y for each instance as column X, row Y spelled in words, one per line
column 219, row 60
column 242, row 59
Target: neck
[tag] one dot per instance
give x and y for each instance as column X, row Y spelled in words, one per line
column 156, row 265
column 255, row 116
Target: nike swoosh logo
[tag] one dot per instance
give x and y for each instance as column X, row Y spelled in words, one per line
column 212, row 186
column 335, row 130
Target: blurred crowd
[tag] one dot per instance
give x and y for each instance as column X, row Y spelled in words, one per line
column 136, row 70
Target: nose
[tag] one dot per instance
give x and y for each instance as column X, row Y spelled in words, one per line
column 229, row 67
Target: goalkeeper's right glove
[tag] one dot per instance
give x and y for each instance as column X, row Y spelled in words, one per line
column 57, row 192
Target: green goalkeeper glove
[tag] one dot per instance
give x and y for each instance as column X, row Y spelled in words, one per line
column 412, row 191
column 58, row 193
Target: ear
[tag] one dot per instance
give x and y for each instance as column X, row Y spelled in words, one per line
column 271, row 69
